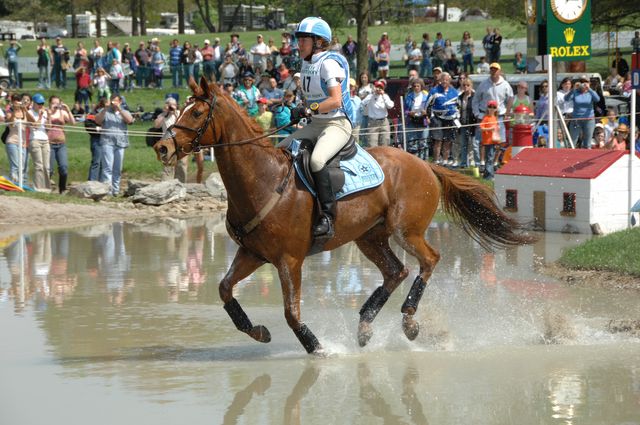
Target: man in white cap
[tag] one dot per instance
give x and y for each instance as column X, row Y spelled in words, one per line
column 207, row 59
column 260, row 51
column 166, row 119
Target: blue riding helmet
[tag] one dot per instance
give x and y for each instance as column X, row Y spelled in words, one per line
column 38, row 98
column 314, row 27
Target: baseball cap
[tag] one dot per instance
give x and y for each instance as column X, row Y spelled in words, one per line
column 495, row 65
column 379, row 83
column 296, row 75
column 207, row 41
column 492, row 103
column 584, row 78
column 262, row 100
column 622, row 128
column 437, row 69
column 352, row 82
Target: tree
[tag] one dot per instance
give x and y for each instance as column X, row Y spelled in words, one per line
column 205, row 13
column 134, row 17
column 180, row 16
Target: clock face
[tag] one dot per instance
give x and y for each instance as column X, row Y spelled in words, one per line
column 568, row 11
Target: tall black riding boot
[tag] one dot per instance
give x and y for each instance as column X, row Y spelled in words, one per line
column 324, row 226
column 62, row 183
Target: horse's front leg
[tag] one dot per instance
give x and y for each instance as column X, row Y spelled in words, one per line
column 290, row 272
column 243, row 265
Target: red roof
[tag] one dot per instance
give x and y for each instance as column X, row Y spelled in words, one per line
column 567, row 163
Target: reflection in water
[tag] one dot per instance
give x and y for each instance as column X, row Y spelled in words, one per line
column 135, row 306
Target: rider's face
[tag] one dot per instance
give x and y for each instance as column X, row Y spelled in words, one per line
column 305, row 44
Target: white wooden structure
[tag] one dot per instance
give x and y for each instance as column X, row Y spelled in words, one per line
column 568, row 190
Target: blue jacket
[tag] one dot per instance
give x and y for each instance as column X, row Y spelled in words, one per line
column 444, row 105
column 583, row 103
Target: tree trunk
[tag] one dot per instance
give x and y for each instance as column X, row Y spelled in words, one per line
column 143, row 18
column 220, row 8
column 363, row 14
column 180, row 16
column 98, row 19
column 134, row 17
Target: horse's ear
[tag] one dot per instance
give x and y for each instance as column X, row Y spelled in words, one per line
column 193, row 85
column 204, row 85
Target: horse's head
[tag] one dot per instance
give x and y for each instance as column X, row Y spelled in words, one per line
column 193, row 127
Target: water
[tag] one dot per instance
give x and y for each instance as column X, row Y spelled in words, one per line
column 108, row 323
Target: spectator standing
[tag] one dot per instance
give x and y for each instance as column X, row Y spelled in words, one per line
column 448, row 49
column 218, row 54
column 377, row 107
column 350, row 51
column 80, row 56
column 383, row 59
column 356, row 103
column 565, row 105
column 483, row 66
column 468, row 129
column 452, row 65
column 365, row 88
column 197, row 61
column 175, row 64
column 101, row 83
column 490, row 136
column 59, row 116
column 116, row 76
column 83, row 87
column 44, row 60
column 384, row 41
column 542, row 104
column 11, row 56
column 129, row 67
column 166, row 119
column 207, row 60
column 275, row 51
column 94, row 139
column 582, row 124
column 620, row 64
column 487, row 44
column 415, row 57
column 229, row 70
column 415, row 107
column 114, row 139
column 286, row 53
column 610, row 123
column 438, row 54
column 425, row 48
column 39, row 144
column 467, row 49
column 260, row 52
column 16, row 120
column 95, row 56
column 521, row 97
column 635, row 43
column 443, row 102
column 496, row 45
column 158, row 61
column 495, row 87
column 187, row 60
column 143, row 57
column 60, row 61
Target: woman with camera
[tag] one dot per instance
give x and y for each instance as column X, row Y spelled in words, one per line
column 165, row 120
column 16, row 138
column 415, row 107
column 59, row 114
column 582, row 123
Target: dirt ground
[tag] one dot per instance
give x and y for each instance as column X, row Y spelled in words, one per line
column 25, row 215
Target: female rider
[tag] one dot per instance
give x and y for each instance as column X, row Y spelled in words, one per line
column 325, row 83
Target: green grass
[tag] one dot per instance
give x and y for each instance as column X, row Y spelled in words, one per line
column 615, row 252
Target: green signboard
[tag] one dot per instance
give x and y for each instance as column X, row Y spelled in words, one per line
column 569, row 29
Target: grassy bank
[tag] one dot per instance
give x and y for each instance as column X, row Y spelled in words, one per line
column 616, row 252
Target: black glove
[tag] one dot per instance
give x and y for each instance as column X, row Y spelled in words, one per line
column 300, row 112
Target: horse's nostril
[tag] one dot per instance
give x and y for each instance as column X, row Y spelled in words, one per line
column 163, row 150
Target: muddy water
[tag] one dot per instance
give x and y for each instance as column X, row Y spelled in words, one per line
column 121, row 323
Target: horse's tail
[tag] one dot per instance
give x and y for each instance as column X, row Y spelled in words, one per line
column 474, row 206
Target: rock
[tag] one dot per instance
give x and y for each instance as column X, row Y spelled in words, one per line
column 134, row 185
column 160, row 193
column 215, row 186
column 90, row 190
column 197, row 190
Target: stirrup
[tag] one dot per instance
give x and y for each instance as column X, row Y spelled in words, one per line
column 324, row 227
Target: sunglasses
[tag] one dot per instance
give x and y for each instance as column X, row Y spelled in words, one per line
column 491, row 107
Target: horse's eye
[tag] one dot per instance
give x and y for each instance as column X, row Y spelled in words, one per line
column 196, row 113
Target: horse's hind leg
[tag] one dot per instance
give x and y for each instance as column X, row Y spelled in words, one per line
column 375, row 246
column 243, row 265
column 428, row 257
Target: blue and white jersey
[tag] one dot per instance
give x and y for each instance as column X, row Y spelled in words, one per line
column 444, row 104
column 325, row 70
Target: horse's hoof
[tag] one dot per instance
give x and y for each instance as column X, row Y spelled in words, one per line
column 410, row 327
column 320, row 353
column 260, row 334
column 364, row 333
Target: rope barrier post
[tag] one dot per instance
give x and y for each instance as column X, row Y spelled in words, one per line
column 404, row 128
column 20, row 156
column 552, row 73
column 632, row 152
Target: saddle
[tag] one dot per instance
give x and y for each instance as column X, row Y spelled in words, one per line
column 333, row 165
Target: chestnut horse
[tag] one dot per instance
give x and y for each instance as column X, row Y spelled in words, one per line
column 270, row 212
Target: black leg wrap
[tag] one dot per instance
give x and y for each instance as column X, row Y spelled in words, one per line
column 370, row 309
column 238, row 316
column 415, row 294
column 307, row 338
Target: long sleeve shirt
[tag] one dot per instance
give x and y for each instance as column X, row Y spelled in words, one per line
column 377, row 105
column 583, row 102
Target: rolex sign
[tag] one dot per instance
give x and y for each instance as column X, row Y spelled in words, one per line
column 569, row 29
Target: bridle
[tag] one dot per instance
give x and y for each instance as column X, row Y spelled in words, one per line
column 196, row 146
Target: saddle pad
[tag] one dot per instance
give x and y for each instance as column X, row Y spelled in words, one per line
column 361, row 172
